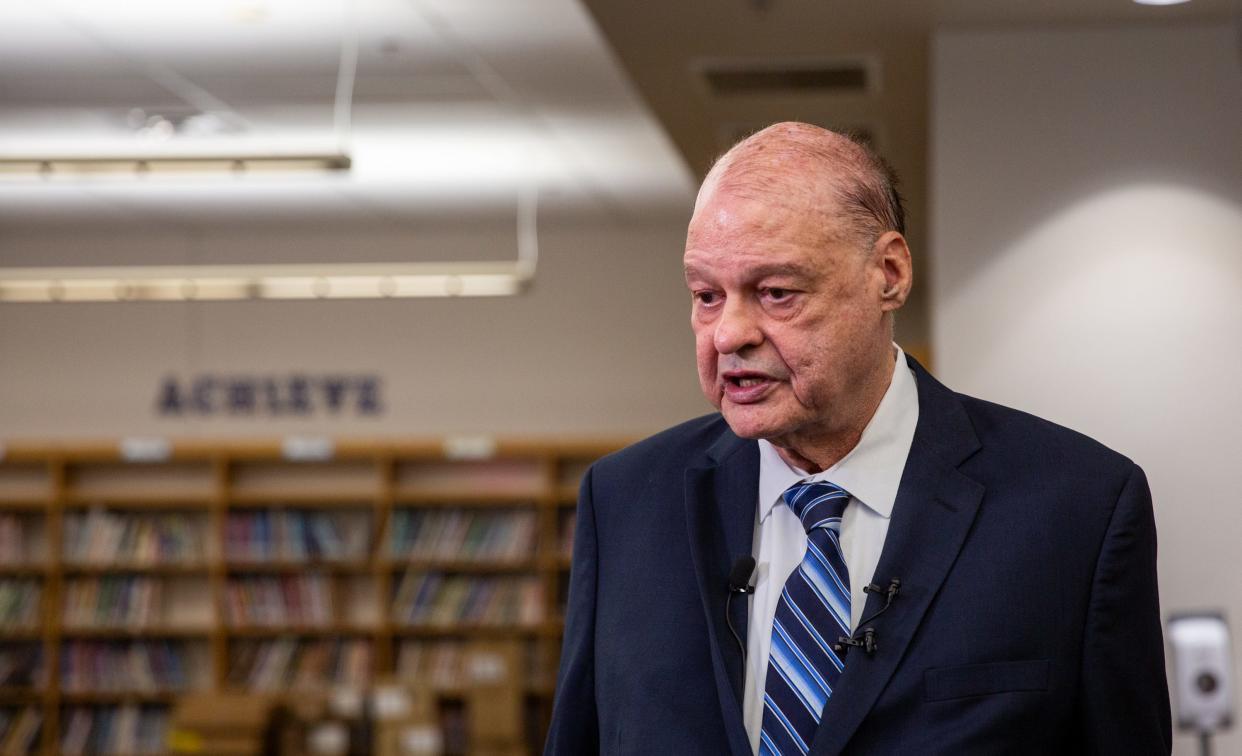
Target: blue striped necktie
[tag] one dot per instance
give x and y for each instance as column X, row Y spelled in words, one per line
column 813, row 611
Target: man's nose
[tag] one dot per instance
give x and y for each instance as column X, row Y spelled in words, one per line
column 737, row 328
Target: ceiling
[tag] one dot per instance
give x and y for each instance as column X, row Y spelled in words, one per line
column 457, row 107
column 666, row 47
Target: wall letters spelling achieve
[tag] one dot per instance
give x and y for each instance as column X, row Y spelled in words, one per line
column 291, row 395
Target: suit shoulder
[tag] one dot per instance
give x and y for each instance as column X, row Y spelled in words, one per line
column 674, row 447
column 1039, row 439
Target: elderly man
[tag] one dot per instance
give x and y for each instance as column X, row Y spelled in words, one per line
column 849, row 557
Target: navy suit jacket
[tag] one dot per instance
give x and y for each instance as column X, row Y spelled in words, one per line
column 1027, row 622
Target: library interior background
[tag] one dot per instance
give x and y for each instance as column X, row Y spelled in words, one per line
column 314, row 313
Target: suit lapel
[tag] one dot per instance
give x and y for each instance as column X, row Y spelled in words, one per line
column 720, row 516
column 935, row 507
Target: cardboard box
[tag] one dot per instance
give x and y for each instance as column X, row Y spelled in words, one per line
column 406, row 721
column 495, row 697
column 219, row 724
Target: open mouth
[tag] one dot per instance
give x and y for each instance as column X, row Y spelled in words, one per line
column 747, row 388
column 745, row 381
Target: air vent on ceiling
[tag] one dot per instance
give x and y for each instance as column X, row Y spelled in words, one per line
column 726, row 78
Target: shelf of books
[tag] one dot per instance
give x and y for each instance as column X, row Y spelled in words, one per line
column 133, row 573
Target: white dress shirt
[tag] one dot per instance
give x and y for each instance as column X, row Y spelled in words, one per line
column 871, row 473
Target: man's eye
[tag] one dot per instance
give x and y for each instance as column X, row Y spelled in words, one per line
column 777, row 294
column 705, row 297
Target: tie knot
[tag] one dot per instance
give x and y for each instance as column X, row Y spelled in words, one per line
column 818, row 505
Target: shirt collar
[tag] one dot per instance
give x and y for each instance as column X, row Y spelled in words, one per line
column 871, row 471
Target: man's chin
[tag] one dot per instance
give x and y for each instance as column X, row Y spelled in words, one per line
column 749, row 424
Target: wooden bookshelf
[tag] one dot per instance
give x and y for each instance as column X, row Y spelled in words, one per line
column 262, row 521
column 139, row 631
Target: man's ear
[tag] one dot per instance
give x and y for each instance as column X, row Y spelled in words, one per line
column 892, row 255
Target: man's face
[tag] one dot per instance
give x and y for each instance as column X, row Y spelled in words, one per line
column 787, row 318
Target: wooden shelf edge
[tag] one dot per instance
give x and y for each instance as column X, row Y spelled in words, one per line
column 438, row 631
column 464, row 565
column 78, row 568
column 71, row 697
column 453, row 693
column 282, row 566
column 24, row 505
column 26, row 570
column 21, row 634
column 462, row 498
column 157, row 501
column 276, row 631
column 304, row 499
column 109, row 633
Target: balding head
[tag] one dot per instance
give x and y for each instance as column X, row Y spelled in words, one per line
column 818, row 169
column 795, row 264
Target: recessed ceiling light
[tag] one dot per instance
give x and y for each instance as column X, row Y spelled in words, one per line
column 253, row 12
column 1161, row 2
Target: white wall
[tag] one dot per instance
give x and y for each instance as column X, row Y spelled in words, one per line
column 1087, row 240
column 601, row 346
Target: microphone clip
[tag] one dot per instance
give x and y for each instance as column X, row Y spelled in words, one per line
column 739, row 576
column 739, row 584
column 890, row 593
column 867, row 642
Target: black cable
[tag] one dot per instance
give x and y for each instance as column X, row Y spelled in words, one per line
column 729, row 622
column 868, row 641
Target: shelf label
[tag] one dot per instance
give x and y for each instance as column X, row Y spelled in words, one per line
column 417, row 740
column 487, row 668
column 139, row 449
column 469, row 447
column 307, row 448
column 345, row 702
column 391, row 702
column 328, row 738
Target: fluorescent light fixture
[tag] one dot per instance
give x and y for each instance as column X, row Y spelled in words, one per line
column 1161, row 2
column 54, row 167
column 211, row 282
column 182, row 283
